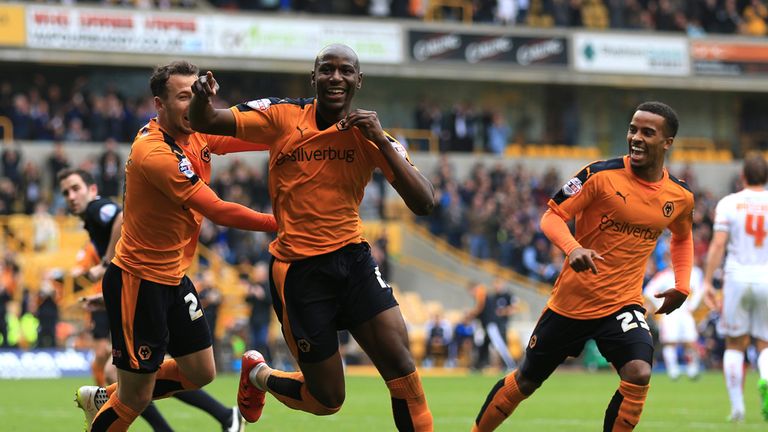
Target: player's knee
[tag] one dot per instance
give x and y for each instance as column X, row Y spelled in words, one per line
column 526, row 386
column 328, row 402
column 636, row 372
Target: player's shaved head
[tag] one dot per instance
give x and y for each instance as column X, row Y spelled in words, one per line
column 755, row 169
column 338, row 50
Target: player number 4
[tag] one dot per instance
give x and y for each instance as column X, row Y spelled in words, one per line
column 755, row 226
column 194, row 312
column 630, row 321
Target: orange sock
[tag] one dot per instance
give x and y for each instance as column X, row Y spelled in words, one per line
column 623, row 412
column 502, row 400
column 409, row 405
column 111, row 389
column 114, row 416
column 289, row 388
column 97, row 370
column 170, row 380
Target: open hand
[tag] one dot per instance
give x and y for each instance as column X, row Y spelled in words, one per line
column 673, row 299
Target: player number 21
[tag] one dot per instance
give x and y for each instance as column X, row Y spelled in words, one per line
column 755, row 226
column 630, row 321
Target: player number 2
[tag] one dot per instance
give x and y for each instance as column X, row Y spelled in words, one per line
column 630, row 321
column 755, row 226
column 194, row 312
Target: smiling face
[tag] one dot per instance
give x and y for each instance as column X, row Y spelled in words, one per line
column 336, row 78
column 648, row 144
column 173, row 108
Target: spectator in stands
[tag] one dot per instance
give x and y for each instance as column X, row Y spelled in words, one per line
column 110, row 170
column 210, row 300
column 47, row 314
column 5, row 298
column 498, row 134
column 259, row 297
column 11, row 162
column 537, row 260
column 438, row 334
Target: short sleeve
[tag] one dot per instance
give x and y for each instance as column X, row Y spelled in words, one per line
column 174, row 177
column 257, row 121
column 575, row 195
column 722, row 216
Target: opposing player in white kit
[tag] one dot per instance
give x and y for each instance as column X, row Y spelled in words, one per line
column 740, row 224
column 678, row 327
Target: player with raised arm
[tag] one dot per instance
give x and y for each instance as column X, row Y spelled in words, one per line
column 621, row 206
column 740, row 229
column 323, row 278
column 152, row 305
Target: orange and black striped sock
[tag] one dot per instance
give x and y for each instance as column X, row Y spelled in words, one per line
column 170, row 380
column 623, row 412
column 409, row 405
column 97, row 370
column 290, row 389
column 114, row 416
column 502, row 400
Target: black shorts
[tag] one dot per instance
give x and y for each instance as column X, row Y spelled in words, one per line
column 621, row 337
column 315, row 297
column 99, row 324
column 148, row 319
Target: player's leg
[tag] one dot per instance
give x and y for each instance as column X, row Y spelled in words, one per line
column 189, row 343
column 759, row 327
column 139, row 330
column 734, row 325
column 304, row 295
column 625, row 340
column 671, row 362
column 370, row 312
column 101, row 346
column 228, row 417
column 554, row 338
column 689, row 336
column 385, row 339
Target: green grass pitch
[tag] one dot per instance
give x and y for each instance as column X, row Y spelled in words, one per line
column 568, row 401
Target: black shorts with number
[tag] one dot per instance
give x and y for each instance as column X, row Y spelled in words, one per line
column 148, row 319
column 99, row 324
column 621, row 337
column 315, row 297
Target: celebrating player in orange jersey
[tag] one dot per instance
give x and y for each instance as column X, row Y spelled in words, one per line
column 621, row 207
column 153, row 307
column 323, row 278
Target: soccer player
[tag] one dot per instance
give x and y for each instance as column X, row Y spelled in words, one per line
column 152, row 305
column 679, row 327
column 740, row 228
column 103, row 221
column 621, row 207
column 323, row 278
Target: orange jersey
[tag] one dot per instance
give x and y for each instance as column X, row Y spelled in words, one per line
column 621, row 217
column 316, row 177
column 159, row 233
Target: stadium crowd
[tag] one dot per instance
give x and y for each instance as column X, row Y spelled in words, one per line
column 695, row 18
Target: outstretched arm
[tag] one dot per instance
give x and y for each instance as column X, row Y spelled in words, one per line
column 228, row 213
column 417, row 192
column 203, row 117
